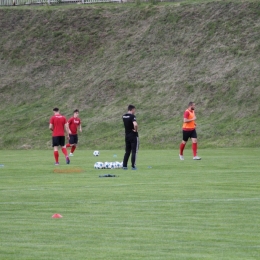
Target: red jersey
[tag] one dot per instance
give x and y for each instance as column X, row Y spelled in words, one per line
column 74, row 123
column 58, row 122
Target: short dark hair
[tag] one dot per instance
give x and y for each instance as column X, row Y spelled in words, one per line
column 131, row 107
column 55, row 109
column 191, row 103
column 75, row 111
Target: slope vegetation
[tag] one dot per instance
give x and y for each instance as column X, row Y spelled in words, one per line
column 158, row 57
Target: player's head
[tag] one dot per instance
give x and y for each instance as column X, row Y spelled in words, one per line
column 131, row 109
column 76, row 113
column 56, row 110
column 192, row 106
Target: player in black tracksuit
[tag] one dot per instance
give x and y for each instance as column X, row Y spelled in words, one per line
column 131, row 137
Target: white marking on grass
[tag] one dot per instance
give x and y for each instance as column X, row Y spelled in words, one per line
column 25, row 203
column 181, row 200
column 139, row 201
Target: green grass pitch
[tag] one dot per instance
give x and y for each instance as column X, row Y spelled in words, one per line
column 206, row 209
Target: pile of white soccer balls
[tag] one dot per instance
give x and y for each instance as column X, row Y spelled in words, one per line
column 107, row 165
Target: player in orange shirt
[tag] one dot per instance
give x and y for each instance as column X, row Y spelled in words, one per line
column 189, row 131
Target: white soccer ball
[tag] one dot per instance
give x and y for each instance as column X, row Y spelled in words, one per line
column 96, row 153
column 106, row 165
column 98, row 165
column 117, row 165
column 113, row 165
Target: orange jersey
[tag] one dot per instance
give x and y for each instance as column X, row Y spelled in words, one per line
column 189, row 126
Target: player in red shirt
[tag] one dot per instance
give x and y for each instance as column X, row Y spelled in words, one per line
column 57, row 124
column 74, row 123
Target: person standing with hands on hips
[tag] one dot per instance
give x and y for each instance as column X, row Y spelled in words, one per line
column 189, row 131
column 131, row 137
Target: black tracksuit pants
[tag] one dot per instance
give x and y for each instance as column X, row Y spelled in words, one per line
column 131, row 146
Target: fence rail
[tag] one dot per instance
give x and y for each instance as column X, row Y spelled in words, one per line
column 35, row 2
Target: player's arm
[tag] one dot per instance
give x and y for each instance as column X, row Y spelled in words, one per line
column 135, row 126
column 51, row 127
column 80, row 128
column 185, row 118
column 67, row 129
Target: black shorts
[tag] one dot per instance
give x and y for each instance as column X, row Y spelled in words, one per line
column 73, row 139
column 58, row 141
column 189, row 134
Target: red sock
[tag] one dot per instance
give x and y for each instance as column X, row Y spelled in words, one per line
column 73, row 148
column 56, row 156
column 67, row 145
column 65, row 152
column 194, row 149
column 182, row 146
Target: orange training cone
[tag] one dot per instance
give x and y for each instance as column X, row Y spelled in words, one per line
column 56, row 215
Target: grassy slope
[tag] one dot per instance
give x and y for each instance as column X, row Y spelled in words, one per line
column 181, row 210
column 101, row 58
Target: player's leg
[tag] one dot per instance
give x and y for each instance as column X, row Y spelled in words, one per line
column 182, row 146
column 194, row 145
column 63, row 148
column 185, row 137
column 69, row 143
column 56, row 155
column 55, row 144
column 127, row 152
column 73, row 148
column 134, row 148
column 74, row 145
